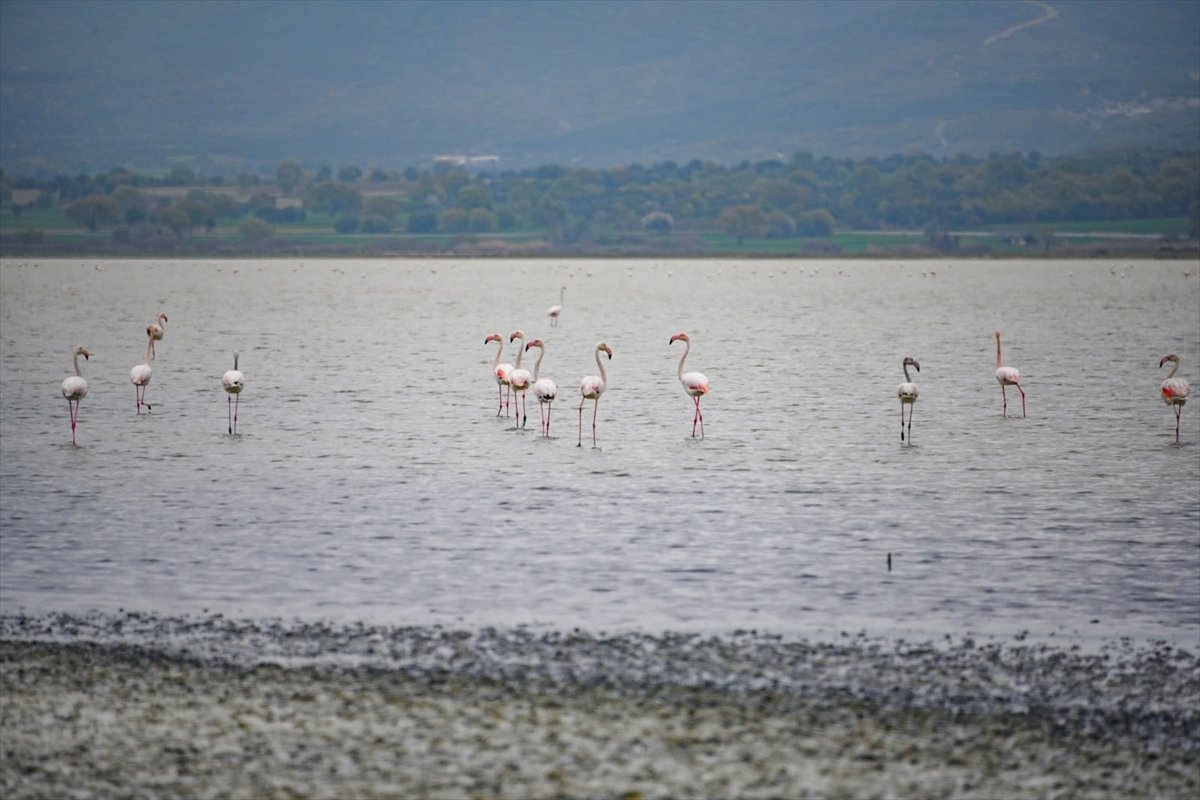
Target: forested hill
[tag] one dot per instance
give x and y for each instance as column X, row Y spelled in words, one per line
column 235, row 86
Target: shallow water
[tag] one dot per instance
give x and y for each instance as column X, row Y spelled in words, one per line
column 372, row 480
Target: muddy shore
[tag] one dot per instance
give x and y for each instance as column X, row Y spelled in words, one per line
column 141, row 706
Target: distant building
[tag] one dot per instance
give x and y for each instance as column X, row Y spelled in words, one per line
column 462, row 161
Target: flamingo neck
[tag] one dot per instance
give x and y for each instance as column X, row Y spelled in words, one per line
column 538, row 366
column 76, row 361
column 499, row 353
column 520, row 352
column 600, row 366
column 235, row 361
column 998, row 363
column 561, row 291
column 149, row 348
column 687, row 346
column 1174, row 369
column 906, row 378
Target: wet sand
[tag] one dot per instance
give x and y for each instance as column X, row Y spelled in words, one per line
column 142, row 706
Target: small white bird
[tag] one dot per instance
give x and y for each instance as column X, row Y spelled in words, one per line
column 1007, row 376
column 74, row 389
column 140, row 375
column 908, row 393
column 556, row 310
column 694, row 383
column 500, row 371
column 519, row 378
column 544, row 389
column 1174, row 391
column 233, row 381
column 157, row 329
column 591, row 387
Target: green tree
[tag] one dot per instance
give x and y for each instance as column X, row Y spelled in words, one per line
column 742, row 222
column 333, row 199
column 481, row 220
column 424, row 221
column 289, row 175
column 453, row 220
column 349, row 173
column 174, row 219
column 93, row 211
column 471, row 197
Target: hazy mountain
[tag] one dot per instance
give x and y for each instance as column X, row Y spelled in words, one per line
column 227, row 86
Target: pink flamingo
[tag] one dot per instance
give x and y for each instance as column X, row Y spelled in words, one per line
column 74, row 389
column 544, row 389
column 1174, row 391
column 907, row 392
column 233, row 382
column 156, row 331
column 501, row 371
column 591, row 387
column 694, row 383
column 1008, row 376
column 140, row 375
column 556, row 310
column 519, row 378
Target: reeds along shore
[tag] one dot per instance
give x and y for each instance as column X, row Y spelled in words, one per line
column 427, row 712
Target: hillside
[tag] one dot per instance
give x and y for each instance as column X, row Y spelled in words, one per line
column 230, row 86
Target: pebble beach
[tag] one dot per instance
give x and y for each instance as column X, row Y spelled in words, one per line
column 145, row 706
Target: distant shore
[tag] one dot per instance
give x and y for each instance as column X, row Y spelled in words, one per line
column 143, row 706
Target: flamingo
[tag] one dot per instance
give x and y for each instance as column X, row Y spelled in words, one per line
column 233, row 381
column 140, row 375
column 591, row 387
column 694, row 383
column 544, row 389
column 1008, row 376
column 1174, row 391
column 555, row 310
column 519, row 378
column 74, row 389
column 501, row 371
column 156, row 331
column 908, row 393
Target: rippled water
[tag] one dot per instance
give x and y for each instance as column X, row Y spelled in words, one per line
column 371, row 479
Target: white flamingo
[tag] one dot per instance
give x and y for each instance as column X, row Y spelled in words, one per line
column 501, row 371
column 1174, row 391
column 140, row 375
column 591, row 387
column 1007, row 376
column 544, row 389
column 908, row 393
column 556, row 310
column 519, row 378
column 694, row 383
column 233, row 381
column 157, row 329
column 74, row 389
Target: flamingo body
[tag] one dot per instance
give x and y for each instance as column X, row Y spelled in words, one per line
column 544, row 389
column 908, row 394
column 140, row 375
column 74, row 389
column 500, row 371
column 591, row 387
column 694, row 383
column 157, row 329
column 1008, row 376
column 554, row 311
column 233, row 382
column 520, row 378
column 1174, row 391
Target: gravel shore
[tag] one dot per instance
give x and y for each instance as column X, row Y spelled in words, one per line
column 136, row 706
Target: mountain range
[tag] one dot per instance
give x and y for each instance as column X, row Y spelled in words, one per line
column 224, row 87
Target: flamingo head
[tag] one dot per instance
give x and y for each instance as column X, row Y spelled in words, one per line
column 680, row 337
column 535, row 343
column 163, row 316
column 517, row 334
column 82, row 351
column 1172, row 358
column 997, row 333
column 910, row 361
column 605, row 348
column 493, row 337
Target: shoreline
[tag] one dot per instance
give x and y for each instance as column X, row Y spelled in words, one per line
column 147, row 706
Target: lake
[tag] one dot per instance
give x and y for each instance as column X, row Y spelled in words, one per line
column 371, row 479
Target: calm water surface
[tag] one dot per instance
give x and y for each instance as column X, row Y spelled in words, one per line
column 371, row 479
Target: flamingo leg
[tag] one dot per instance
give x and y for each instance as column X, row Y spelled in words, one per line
column 229, row 413
column 700, row 416
column 548, row 408
column 1178, row 410
column 500, row 398
column 1022, row 391
column 1005, row 397
column 581, row 402
column 71, row 407
column 524, row 409
column 911, row 408
column 236, row 398
column 902, row 421
column 595, row 411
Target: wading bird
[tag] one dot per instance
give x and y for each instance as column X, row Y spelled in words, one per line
column 233, row 381
column 694, row 383
column 74, row 389
column 140, row 375
column 157, row 329
column 1174, row 391
column 501, row 371
column 591, row 387
column 907, row 392
column 519, row 378
column 544, row 389
column 556, row 310
column 1007, row 376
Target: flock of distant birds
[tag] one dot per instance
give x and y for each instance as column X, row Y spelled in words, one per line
column 75, row 387
column 514, row 379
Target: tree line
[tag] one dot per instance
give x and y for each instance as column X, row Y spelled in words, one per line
column 804, row 196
